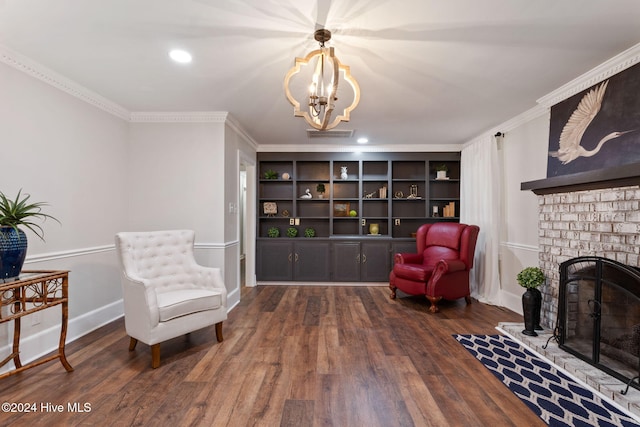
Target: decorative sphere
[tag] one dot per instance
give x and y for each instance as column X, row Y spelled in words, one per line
column 353, row 213
column 285, row 176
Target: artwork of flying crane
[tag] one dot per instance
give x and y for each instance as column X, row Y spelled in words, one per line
column 571, row 136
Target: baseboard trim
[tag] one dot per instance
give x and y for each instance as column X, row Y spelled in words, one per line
column 296, row 283
column 46, row 341
column 511, row 301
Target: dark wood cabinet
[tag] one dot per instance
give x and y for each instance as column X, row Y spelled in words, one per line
column 286, row 260
column 366, row 261
column 274, row 260
column 346, row 259
column 376, row 262
column 393, row 193
column 311, row 261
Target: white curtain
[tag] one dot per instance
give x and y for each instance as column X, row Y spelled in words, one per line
column 480, row 204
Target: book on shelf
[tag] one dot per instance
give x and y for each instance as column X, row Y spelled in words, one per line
column 449, row 210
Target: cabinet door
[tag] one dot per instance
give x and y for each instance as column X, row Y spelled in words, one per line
column 346, row 261
column 376, row 263
column 311, row 261
column 274, row 261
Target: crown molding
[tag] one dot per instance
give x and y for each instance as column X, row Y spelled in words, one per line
column 357, row 148
column 179, row 117
column 603, row 71
column 618, row 63
column 50, row 77
column 235, row 125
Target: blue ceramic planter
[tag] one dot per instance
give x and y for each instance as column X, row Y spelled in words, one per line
column 13, row 251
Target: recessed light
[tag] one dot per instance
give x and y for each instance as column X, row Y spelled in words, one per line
column 362, row 140
column 181, row 56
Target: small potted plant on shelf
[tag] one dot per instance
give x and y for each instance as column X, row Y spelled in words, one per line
column 441, row 171
column 320, row 189
column 273, row 232
column 271, row 174
column 16, row 213
column 531, row 278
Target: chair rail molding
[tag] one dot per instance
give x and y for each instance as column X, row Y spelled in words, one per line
column 520, row 246
column 50, row 256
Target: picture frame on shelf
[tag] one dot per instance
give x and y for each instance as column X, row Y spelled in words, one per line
column 270, row 208
column 341, row 208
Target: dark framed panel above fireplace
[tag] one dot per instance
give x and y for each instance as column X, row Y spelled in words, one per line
column 598, row 127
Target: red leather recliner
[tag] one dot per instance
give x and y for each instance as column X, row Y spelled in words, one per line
column 440, row 267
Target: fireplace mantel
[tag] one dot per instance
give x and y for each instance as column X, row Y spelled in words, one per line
column 618, row 176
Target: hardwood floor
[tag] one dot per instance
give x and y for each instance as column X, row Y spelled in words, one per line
column 292, row 356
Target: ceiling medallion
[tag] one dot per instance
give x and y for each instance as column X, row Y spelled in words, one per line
column 322, row 85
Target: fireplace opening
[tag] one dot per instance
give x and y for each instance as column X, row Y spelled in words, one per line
column 599, row 315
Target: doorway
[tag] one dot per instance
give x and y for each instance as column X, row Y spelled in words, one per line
column 247, row 220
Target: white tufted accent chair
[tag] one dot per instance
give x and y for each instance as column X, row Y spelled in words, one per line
column 166, row 293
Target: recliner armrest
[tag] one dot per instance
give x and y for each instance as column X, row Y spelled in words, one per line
column 408, row 258
column 451, row 265
column 444, row 267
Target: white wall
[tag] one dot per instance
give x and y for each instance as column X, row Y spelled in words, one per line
column 523, row 152
column 177, row 178
column 102, row 174
column 70, row 154
column 186, row 175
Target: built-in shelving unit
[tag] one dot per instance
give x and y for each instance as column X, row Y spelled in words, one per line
column 394, row 193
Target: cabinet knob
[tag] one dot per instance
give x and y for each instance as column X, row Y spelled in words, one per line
column 296, row 257
column 358, row 258
column 364, row 258
column 289, row 257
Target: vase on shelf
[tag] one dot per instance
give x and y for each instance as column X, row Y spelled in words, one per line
column 374, row 229
column 343, row 173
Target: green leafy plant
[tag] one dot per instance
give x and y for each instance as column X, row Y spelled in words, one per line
column 273, row 232
column 442, row 167
column 19, row 212
column 309, row 232
column 320, row 188
column 530, row 277
column 292, row 232
column 271, row 174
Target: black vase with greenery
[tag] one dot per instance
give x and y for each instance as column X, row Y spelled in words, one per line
column 531, row 278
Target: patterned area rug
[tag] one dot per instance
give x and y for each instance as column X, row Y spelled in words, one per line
column 555, row 397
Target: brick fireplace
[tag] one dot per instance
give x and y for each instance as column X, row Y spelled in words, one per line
column 600, row 222
column 588, row 214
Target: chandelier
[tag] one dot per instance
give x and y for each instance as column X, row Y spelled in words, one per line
column 323, row 87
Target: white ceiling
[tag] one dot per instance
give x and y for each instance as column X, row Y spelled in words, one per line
column 430, row 71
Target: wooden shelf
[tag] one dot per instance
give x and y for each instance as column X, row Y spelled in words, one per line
column 344, row 239
column 618, row 176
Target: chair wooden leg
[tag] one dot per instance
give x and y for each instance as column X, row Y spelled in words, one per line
column 468, row 299
column 132, row 344
column 219, row 331
column 155, row 356
column 434, row 303
column 393, row 291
